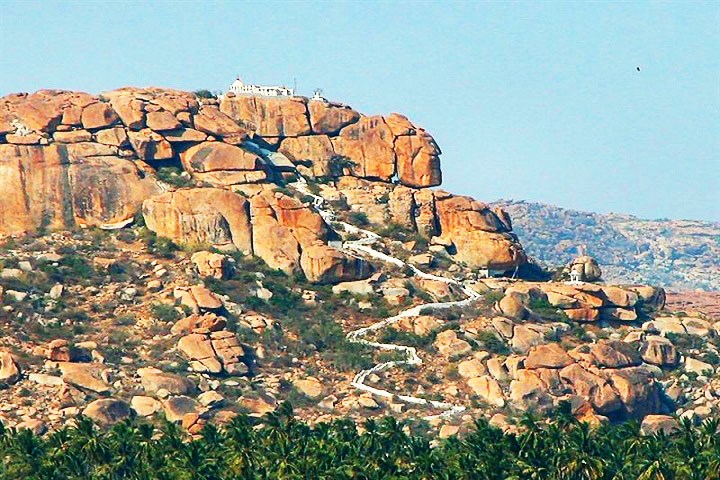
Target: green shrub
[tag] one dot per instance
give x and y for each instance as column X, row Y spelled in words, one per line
column 72, row 269
column 203, row 93
column 401, row 337
column 339, row 164
column 159, row 246
column 547, row 311
column 347, row 356
column 712, row 358
column 74, row 314
column 493, row 296
column 284, row 191
column 173, row 176
column 687, row 342
column 492, row 343
column 359, row 218
column 165, row 312
column 126, row 320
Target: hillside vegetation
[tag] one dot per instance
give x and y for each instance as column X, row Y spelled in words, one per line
column 175, row 270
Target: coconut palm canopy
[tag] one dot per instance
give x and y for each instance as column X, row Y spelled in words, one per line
column 281, row 447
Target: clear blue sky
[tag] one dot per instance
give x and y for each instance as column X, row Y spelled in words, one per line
column 528, row 100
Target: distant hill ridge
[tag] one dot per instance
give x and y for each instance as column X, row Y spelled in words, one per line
column 676, row 254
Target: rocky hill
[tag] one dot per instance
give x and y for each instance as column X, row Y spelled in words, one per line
column 165, row 254
column 677, row 254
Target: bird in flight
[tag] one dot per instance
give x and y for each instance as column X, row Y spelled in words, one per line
column 637, row 68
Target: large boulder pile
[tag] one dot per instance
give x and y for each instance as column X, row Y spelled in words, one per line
column 71, row 159
column 320, row 136
column 471, row 232
column 608, row 375
column 285, row 232
column 583, row 302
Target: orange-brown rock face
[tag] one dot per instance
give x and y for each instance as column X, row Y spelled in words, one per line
column 495, row 251
column 588, row 302
column 418, row 156
column 98, row 115
column 62, row 186
column 311, row 154
column 369, row 145
column 153, row 108
column 464, row 213
column 316, row 131
column 290, row 236
column 610, row 377
column 479, row 236
column 149, row 145
column 173, row 112
column 70, row 158
column 329, row 119
column 324, row 264
column 221, row 164
column 273, row 241
column 418, row 161
column 89, row 160
column 201, row 216
column 471, row 231
column 42, row 111
column 282, row 225
column 213, row 122
column 269, row 116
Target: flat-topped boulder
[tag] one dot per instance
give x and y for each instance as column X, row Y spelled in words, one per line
column 221, row 164
column 154, row 380
column 107, row 411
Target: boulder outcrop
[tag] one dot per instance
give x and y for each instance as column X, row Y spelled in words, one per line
column 324, row 264
column 312, row 155
column 210, row 264
column 83, row 160
column 317, row 134
column 70, row 159
column 584, row 302
column 368, row 146
column 476, row 233
column 201, row 216
column 470, row 231
column 329, row 118
column 608, row 375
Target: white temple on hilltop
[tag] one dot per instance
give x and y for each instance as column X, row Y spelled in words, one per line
column 238, row 87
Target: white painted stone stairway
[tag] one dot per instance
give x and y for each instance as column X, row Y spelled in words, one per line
column 363, row 246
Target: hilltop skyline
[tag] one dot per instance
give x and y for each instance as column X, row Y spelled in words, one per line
column 541, row 102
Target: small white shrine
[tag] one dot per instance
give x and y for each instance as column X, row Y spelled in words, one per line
column 489, row 273
column 238, row 87
column 318, row 96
